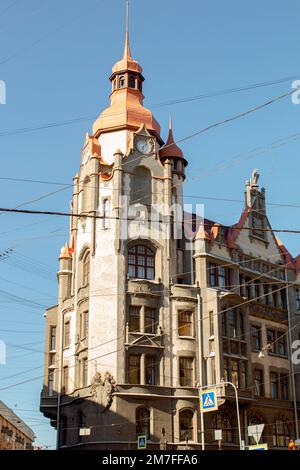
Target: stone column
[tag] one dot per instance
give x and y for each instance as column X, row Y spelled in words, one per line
column 142, row 319
column 143, row 368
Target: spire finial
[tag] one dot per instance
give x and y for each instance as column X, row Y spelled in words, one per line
column 170, row 123
column 127, row 52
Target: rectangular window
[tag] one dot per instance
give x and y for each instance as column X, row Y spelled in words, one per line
column 211, row 323
column 52, row 338
column 186, row 371
column 50, row 382
column 243, row 375
column 85, row 324
column 248, row 287
column 134, row 369
column 150, row 369
column 274, row 385
column 297, row 298
column 65, row 379
column 67, row 334
column 235, row 372
column 255, row 338
column 185, row 323
column 258, row 382
column 51, row 359
column 226, row 374
column 283, row 298
column 257, row 290
column 281, row 343
column 242, row 325
column 213, row 275
column 222, row 277
column 232, row 324
column 213, row 369
column 219, row 276
column 271, row 336
column 284, row 387
column 224, row 325
column 134, row 319
column 150, row 325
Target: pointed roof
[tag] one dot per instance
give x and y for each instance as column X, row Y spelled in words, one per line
column 126, row 110
column 171, row 149
column 127, row 62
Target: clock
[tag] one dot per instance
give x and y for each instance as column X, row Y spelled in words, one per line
column 144, row 145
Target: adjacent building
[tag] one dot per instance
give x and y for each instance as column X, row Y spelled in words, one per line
column 14, row 433
column 154, row 301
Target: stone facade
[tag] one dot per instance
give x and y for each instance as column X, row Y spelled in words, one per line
column 14, row 433
column 145, row 317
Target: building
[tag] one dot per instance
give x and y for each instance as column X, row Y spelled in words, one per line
column 14, row 433
column 147, row 311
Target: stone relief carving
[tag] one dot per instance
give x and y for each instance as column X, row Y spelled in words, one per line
column 102, row 388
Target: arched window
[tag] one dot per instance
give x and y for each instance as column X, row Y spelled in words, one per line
column 186, row 428
column 281, row 435
column 122, row 82
column 142, row 419
column 221, row 421
column 86, row 269
column 131, row 83
column 141, row 261
column 141, row 186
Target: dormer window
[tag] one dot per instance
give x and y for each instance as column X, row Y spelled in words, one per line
column 131, row 83
column 122, row 82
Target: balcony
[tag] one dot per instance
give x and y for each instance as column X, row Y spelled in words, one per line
column 144, row 287
column 145, row 340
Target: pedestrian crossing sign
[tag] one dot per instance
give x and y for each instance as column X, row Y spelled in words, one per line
column 142, row 442
column 208, row 400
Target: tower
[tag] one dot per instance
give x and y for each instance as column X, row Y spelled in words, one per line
column 112, row 331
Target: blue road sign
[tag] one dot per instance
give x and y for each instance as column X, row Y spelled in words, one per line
column 142, row 442
column 208, row 400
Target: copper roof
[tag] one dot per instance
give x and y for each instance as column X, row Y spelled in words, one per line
column 171, row 149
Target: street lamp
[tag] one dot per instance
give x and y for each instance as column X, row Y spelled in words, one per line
column 261, row 353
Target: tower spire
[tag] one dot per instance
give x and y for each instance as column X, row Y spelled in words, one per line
column 127, row 52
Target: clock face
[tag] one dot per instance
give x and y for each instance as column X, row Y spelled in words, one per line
column 144, row 145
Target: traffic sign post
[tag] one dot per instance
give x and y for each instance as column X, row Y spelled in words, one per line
column 259, row 447
column 208, row 400
column 256, row 431
column 142, row 442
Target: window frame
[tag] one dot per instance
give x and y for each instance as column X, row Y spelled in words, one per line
column 188, row 427
column 185, row 324
column 186, row 371
column 136, row 265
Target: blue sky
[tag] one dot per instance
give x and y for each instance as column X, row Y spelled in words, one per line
column 56, row 57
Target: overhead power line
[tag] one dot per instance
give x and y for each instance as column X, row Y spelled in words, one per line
column 101, row 217
column 66, row 122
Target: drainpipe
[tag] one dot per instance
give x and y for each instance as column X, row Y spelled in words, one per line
column 200, row 356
